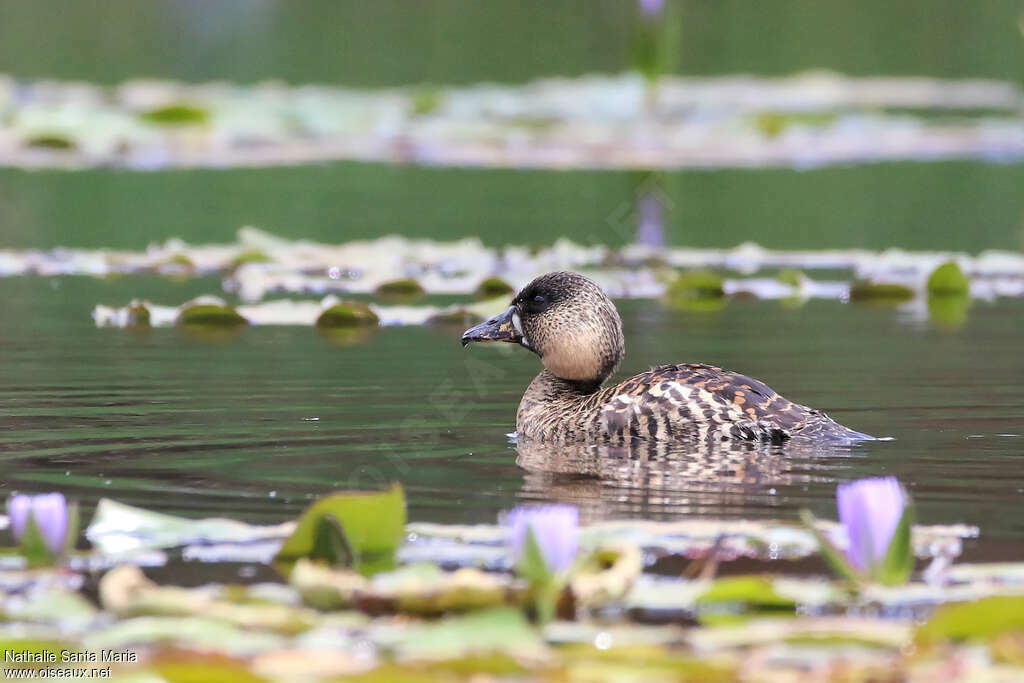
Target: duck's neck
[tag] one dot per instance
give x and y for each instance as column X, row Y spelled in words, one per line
column 552, row 407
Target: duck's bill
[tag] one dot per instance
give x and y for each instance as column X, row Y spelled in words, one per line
column 501, row 328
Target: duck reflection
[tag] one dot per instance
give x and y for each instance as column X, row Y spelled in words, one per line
column 662, row 480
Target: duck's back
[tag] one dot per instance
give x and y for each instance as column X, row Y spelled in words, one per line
column 696, row 400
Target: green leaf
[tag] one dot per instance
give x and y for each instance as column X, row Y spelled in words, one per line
column 330, row 543
column 899, row 558
column 979, row 620
column 531, row 565
column 755, row 591
column 832, row 554
column 179, row 114
column 118, row 528
column 202, row 668
column 543, row 587
column 373, row 525
column 491, row 631
column 33, row 547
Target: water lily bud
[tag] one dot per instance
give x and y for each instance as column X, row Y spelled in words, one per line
column 651, row 8
column 50, row 513
column 870, row 511
column 555, row 528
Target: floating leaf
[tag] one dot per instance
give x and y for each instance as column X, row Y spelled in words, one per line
column 757, row 592
column 696, row 290
column 51, row 605
column 948, row 312
column 404, row 289
column 460, row 317
column 880, row 292
column 180, row 114
column 773, row 124
column 790, row 276
column 425, row 589
column 347, row 314
column 250, row 256
column 116, row 528
column 373, row 525
column 195, row 633
column 643, row 663
column 979, row 620
column 426, row 100
column 323, row 587
column 126, row 591
column 196, row 668
column 53, row 141
column 138, row 315
column 35, row 650
column 492, row 287
column 607, row 575
column 210, row 315
column 499, row 630
column 948, row 280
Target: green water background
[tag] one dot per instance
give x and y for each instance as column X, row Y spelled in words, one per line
column 200, row 425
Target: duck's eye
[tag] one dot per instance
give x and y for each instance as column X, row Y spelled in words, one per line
column 539, row 299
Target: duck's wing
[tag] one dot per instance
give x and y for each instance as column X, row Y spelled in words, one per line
column 697, row 400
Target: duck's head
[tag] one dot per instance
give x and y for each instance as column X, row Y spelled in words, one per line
column 566, row 320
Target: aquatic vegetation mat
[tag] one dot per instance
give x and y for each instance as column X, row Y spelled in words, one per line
column 452, row 607
column 808, row 119
column 939, row 285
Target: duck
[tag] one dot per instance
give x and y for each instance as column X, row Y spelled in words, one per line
column 574, row 328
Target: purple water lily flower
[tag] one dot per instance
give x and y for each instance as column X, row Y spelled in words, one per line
column 556, row 528
column 870, row 510
column 50, row 512
column 651, row 8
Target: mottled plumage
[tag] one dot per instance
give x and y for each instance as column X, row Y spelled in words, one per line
column 568, row 321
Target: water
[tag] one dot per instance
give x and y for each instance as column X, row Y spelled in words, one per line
column 461, row 41
column 966, row 206
column 254, row 424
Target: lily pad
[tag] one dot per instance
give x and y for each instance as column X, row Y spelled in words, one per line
column 196, row 668
column 696, row 290
column 323, row 587
column 425, row 589
column 880, row 292
column 756, row 592
column 179, row 114
column 426, row 100
column 373, row 525
column 127, row 592
column 979, row 620
column 200, row 634
column 347, row 314
column 210, row 314
column 790, row 276
column 456, row 316
column 607, row 576
column 405, row 289
column 118, row 528
column 948, row 312
column 53, row 141
column 948, row 280
column 643, row 663
column 772, row 123
column 250, row 256
column 496, row 631
column 492, row 287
